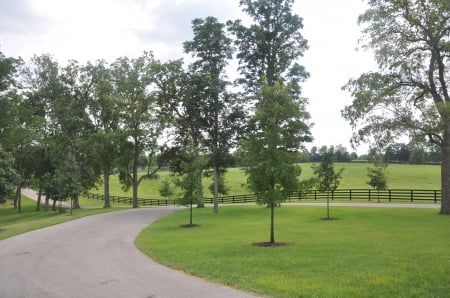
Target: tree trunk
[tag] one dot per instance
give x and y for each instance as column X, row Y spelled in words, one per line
column 200, row 203
column 38, row 202
column 54, row 204
column 106, row 187
column 135, row 181
column 328, row 205
column 272, row 222
column 190, row 214
column 46, row 203
column 445, row 172
column 18, row 199
column 216, row 188
column 76, row 202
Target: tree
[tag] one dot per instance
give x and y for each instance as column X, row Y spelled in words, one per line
column 192, row 191
column 377, row 176
column 269, row 48
column 105, row 114
column 220, row 116
column 166, row 189
column 73, row 150
column 141, row 119
column 276, row 132
column 8, row 175
column 409, row 94
column 180, row 96
column 327, row 179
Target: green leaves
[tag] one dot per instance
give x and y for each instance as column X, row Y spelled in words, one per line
column 276, row 131
column 270, row 47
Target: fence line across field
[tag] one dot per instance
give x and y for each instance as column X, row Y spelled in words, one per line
column 410, row 195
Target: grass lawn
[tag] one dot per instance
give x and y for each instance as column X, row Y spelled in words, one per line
column 399, row 176
column 13, row 223
column 367, row 252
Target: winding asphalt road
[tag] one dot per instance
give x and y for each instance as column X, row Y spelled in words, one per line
column 95, row 256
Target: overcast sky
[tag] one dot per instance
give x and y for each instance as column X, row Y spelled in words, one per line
column 106, row 29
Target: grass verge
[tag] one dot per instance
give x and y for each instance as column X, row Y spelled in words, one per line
column 367, row 252
column 13, row 223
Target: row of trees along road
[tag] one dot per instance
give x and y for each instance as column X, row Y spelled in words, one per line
column 66, row 126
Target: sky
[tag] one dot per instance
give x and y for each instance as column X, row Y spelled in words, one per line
column 87, row 30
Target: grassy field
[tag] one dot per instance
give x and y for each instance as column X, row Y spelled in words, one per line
column 367, row 252
column 354, row 176
column 13, row 223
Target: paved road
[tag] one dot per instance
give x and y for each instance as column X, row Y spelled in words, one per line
column 95, row 256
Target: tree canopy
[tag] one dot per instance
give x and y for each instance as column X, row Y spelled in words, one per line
column 409, row 94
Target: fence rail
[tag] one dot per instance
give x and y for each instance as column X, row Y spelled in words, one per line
column 410, row 195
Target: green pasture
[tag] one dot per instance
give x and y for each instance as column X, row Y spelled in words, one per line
column 367, row 252
column 13, row 223
column 399, row 176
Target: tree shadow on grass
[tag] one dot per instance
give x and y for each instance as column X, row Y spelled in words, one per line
column 271, row 244
column 329, row 218
column 190, row 226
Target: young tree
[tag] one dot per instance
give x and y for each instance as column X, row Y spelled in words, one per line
column 192, row 192
column 377, row 177
column 410, row 92
column 276, row 132
column 220, row 116
column 166, row 189
column 327, row 179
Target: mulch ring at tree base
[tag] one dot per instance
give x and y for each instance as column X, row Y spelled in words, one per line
column 271, row 244
column 190, row 226
column 329, row 218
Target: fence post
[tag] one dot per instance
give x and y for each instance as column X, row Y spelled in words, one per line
column 369, row 195
column 412, row 195
column 315, row 195
column 390, row 195
column 435, row 196
column 350, row 194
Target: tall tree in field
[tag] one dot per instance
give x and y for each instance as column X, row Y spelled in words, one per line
column 270, row 47
column 276, row 133
column 409, row 94
column 326, row 178
column 219, row 115
column 141, row 121
column 268, row 51
column 105, row 114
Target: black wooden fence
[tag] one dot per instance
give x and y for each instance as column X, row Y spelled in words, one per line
column 391, row 195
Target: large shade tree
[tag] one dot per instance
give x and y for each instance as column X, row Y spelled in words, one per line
column 409, row 94
column 270, row 46
column 105, row 114
column 140, row 116
column 220, row 115
column 268, row 51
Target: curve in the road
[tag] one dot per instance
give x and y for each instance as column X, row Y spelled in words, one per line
column 95, row 256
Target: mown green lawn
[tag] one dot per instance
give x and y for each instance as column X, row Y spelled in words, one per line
column 399, row 176
column 367, row 252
